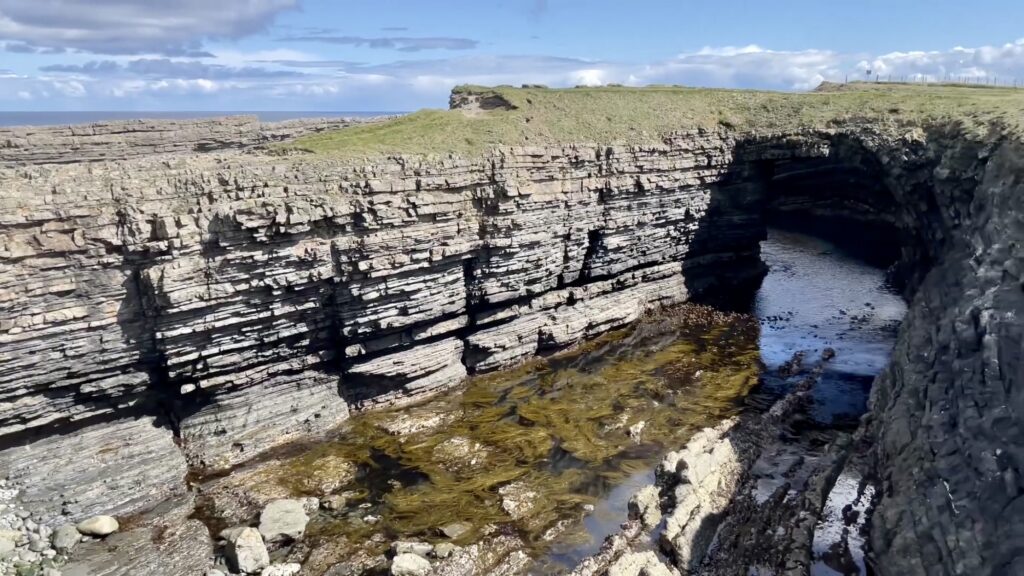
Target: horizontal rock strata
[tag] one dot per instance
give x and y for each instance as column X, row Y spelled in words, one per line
column 209, row 306
column 253, row 300
column 122, row 139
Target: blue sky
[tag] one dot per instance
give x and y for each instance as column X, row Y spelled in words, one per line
column 407, row 54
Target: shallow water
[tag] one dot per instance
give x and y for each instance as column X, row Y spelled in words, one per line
column 816, row 296
column 552, row 451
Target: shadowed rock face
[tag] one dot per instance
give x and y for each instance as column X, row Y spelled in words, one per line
column 235, row 302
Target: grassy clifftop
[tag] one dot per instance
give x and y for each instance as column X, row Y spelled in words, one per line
column 490, row 117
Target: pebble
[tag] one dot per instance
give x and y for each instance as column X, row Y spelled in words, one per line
column 636, row 431
column 37, row 544
column 455, row 530
column 335, row 502
column 310, row 504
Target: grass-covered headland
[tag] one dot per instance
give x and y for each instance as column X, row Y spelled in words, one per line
column 626, row 115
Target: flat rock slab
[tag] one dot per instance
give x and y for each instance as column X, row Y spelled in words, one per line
column 165, row 541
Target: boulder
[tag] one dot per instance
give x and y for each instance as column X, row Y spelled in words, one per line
column 418, row 548
column 98, row 526
column 410, row 565
column 444, row 550
column 283, row 520
column 65, row 538
column 245, row 551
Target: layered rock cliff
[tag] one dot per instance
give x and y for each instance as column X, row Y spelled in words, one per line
column 190, row 311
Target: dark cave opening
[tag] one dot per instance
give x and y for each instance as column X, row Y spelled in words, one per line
column 842, row 199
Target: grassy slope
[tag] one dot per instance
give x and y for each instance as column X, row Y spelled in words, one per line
column 545, row 116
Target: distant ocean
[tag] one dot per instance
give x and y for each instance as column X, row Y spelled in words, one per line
column 62, row 118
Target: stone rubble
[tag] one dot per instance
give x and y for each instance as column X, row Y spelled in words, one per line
column 25, row 544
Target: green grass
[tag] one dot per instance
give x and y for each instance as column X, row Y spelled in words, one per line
column 625, row 115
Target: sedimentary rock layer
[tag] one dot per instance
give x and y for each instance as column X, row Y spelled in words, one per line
column 210, row 306
column 252, row 300
column 118, row 140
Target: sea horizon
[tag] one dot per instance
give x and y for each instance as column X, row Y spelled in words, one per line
column 61, row 118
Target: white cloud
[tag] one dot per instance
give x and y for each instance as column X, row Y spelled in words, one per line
column 132, row 26
column 590, row 77
column 288, row 79
column 71, row 89
column 1006, row 61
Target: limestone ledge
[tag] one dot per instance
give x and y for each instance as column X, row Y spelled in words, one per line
column 123, row 139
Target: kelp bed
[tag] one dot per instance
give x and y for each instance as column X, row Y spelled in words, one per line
column 526, row 450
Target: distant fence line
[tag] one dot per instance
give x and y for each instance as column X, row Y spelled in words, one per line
column 1003, row 82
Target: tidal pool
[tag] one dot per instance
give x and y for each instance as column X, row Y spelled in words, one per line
column 531, row 451
column 817, row 296
column 550, row 452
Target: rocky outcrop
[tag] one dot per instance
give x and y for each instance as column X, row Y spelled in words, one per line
column 119, row 140
column 211, row 306
column 253, row 302
column 946, row 413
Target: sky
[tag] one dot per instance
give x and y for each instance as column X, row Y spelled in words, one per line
column 400, row 55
